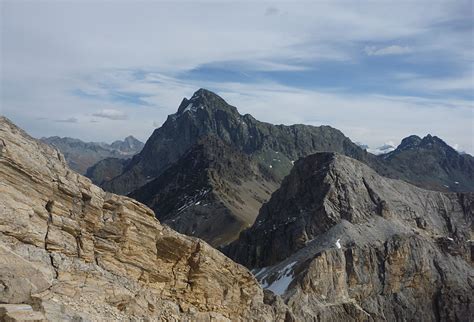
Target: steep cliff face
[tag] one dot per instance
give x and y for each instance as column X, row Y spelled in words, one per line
column 213, row 192
column 339, row 242
column 273, row 146
column 69, row 250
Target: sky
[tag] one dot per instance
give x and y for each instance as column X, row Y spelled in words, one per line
column 377, row 70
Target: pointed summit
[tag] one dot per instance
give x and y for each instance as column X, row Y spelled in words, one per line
column 204, row 99
column 409, row 142
column 432, row 163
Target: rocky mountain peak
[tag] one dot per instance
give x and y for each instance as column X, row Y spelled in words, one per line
column 128, row 145
column 409, row 142
column 430, row 141
column 352, row 245
column 321, row 191
column 204, row 99
column 427, row 142
column 431, row 163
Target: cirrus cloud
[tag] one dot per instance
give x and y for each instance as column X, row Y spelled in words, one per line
column 111, row 114
column 68, row 120
column 388, row 50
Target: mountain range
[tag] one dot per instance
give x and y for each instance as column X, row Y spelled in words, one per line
column 81, row 155
column 242, row 161
column 335, row 241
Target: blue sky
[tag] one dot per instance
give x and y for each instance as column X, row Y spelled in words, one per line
column 377, row 70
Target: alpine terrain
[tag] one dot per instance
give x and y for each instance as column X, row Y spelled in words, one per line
column 82, row 155
column 207, row 171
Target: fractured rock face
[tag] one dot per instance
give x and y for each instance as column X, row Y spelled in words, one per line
column 70, row 250
column 339, row 242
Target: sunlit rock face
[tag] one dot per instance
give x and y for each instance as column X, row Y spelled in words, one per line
column 339, row 242
column 69, row 250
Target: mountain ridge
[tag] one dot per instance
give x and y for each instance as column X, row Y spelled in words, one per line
column 81, row 155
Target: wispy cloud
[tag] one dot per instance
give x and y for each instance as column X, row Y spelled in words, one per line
column 271, row 11
column 111, row 114
column 388, row 50
column 68, row 120
column 441, row 84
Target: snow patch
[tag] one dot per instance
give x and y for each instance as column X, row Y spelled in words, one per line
column 189, row 108
column 280, row 285
column 338, row 244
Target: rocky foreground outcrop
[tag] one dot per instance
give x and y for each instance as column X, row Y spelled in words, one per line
column 338, row 242
column 70, row 251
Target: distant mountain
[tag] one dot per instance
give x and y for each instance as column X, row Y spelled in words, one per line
column 81, row 155
column 129, row 145
column 338, row 242
column 106, row 169
column 431, row 163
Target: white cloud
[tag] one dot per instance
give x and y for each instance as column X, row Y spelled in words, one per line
column 111, row 114
column 388, row 50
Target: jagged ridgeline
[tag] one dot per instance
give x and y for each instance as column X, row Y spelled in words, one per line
column 207, row 171
column 80, row 155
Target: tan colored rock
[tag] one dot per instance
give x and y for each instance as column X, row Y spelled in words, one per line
column 338, row 242
column 21, row 312
column 71, row 250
